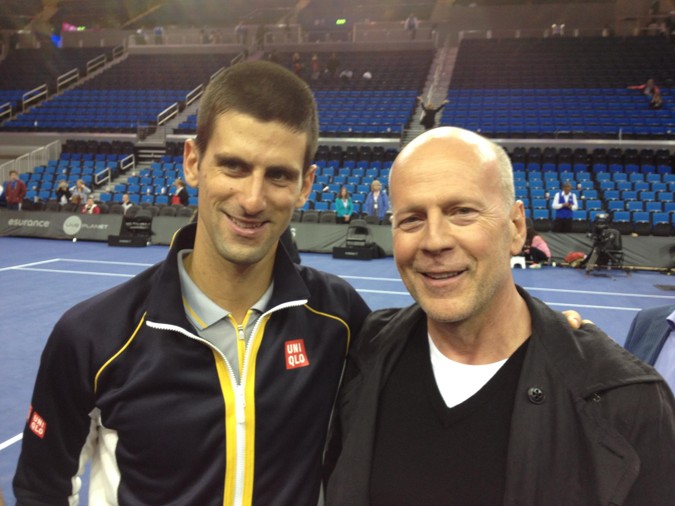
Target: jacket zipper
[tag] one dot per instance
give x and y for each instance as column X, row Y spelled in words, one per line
column 239, row 389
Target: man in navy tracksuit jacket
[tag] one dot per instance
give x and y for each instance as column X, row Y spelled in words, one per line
column 134, row 380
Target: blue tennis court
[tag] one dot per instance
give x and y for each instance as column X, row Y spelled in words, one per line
column 40, row 279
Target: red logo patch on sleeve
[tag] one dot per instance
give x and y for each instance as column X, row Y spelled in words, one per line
column 37, row 425
column 296, row 356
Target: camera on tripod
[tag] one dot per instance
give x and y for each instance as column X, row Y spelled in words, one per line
column 600, row 233
column 607, row 249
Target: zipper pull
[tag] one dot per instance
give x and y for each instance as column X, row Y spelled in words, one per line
column 241, row 334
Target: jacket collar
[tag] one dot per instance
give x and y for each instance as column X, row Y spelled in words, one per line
column 587, row 360
column 166, row 303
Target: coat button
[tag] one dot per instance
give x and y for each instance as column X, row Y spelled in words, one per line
column 536, row 395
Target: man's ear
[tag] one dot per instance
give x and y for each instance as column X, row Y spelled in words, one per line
column 191, row 163
column 518, row 227
column 307, row 181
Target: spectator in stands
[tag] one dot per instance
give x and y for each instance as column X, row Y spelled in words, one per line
column 240, row 32
column 656, row 101
column 651, row 338
column 63, row 194
column 126, row 203
column 315, row 67
column 15, row 191
column 90, row 207
column 478, row 382
column 648, row 88
column 158, row 32
column 564, row 204
column 428, row 120
column 296, row 64
column 377, row 201
column 411, row 24
column 535, row 249
column 212, row 375
column 80, row 192
column 180, row 197
column 332, row 66
column 343, row 206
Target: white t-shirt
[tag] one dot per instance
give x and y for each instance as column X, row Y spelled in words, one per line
column 456, row 381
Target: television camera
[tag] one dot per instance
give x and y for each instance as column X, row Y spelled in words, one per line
column 607, row 248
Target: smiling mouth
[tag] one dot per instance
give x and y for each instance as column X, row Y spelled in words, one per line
column 246, row 224
column 442, row 275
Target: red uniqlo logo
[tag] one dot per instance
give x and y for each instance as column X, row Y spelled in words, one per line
column 296, row 356
column 37, row 425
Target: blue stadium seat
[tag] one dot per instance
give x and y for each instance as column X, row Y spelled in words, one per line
column 616, row 205
column 593, row 205
column 635, row 205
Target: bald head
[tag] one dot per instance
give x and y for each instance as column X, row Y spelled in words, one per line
column 458, row 146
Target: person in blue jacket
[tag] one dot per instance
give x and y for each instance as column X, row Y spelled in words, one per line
column 343, row 206
column 210, row 377
column 652, row 338
column 377, row 201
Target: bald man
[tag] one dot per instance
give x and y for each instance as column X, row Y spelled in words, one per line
column 479, row 392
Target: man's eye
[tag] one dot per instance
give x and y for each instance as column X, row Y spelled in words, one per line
column 409, row 223
column 464, row 215
column 280, row 176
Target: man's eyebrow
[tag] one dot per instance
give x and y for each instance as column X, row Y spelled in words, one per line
column 225, row 159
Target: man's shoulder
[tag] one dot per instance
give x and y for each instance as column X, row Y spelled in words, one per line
column 316, row 278
column 112, row 304
column 652, row 314
column 589, row 349
column 384, row 327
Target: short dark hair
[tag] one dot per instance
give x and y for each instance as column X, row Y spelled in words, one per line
column 264, row 90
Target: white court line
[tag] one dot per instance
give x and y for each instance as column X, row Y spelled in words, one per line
column 564, row 304
column 11, row 441
column 371, row 279
column 591, row 306
column 28, row 265
column 532, row 288
column 111, row 262
column 64, row 271
column 588, row 292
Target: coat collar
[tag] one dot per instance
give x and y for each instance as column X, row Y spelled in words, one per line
column 166, row 303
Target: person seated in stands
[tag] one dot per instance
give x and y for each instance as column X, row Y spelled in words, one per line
column 63, row 194
column 90, row 207
column 126, row 203
column 343, row 206
column 535, row 249
column 649, row 88
column 180, row 197
column 377, row 201
column 656, row 102
column 80, row 192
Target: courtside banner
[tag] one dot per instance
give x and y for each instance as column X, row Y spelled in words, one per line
column 88, row 227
